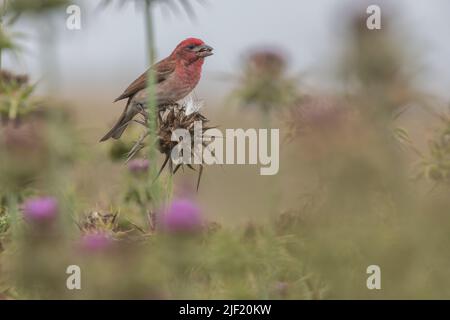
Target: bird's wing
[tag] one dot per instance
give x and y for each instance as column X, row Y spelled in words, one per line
column 162, row 71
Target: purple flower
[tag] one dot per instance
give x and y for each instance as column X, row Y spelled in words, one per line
column 182, row 216
column 281, row 288
column 94, row 242
column 40, row 209
column 138, row 166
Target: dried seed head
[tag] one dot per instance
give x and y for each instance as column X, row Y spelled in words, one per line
column 99, row 222
column 8, row 78
column 170, row 118
column 175, row 117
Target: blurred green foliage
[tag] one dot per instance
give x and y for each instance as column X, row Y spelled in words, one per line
column 6, row 41
column 436, row 164
column 35, row 6
column 16, row 99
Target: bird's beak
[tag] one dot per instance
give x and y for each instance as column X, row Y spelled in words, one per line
column 204, row 51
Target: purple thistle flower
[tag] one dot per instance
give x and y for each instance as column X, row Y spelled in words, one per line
column 40, row 209
column 182, row 216
column 138, row 166
column 281, row 288
column 94, row 242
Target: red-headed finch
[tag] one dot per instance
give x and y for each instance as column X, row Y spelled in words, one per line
column 175, row 77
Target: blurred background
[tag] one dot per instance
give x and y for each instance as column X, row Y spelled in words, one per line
column 364, row 152
column 93, row 65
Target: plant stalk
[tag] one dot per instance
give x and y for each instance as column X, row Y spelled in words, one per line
column 2, row 13
column 154, row 184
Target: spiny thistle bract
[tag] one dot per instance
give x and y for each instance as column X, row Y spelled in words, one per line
column 110, row 225
column 8, row 41
column 99, row 222
column 16, row 100
column 171, row 118
column 4, row 226
column 436, row 165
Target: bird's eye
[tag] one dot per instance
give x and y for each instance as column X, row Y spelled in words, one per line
column 191, row 46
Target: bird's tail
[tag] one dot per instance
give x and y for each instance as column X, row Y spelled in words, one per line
column 120, row 126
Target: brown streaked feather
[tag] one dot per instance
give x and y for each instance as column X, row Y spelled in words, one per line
column 120, row 126
column 162, row 69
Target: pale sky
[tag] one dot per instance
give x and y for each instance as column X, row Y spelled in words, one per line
column 109, row 52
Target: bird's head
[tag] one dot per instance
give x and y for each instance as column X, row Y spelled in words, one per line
column 192, row 49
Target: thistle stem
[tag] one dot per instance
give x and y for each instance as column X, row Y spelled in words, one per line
column 154, row 185
column 13, row 214
column 2, row 13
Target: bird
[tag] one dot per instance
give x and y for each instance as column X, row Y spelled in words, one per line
column 175, row 78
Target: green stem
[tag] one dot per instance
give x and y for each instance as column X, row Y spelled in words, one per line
column 13, row 214
column 149, row 30
column 13, row 109
column 1, row 48
column 274, row 185
column 154, row 187
column 2, row 13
